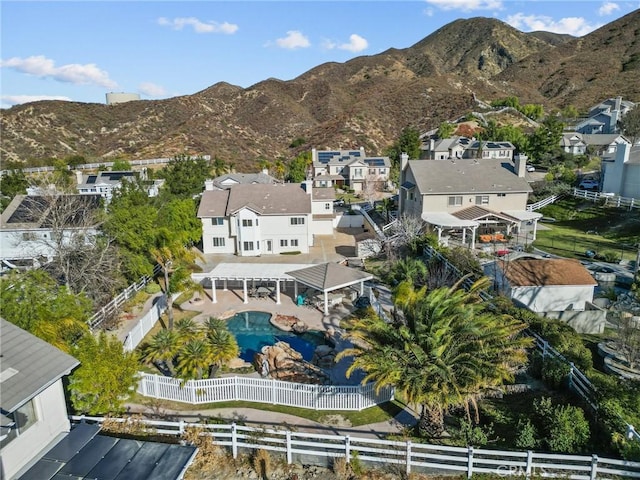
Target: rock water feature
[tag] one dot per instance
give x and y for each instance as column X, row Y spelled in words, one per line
column 282, row 362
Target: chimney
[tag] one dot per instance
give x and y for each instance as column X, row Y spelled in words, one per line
column 618, row 103
column 307, row 186
column 432, row 145
column 314, row 155
column 404, row 159
column 362, row 152
column 208, row 185
column 79, row 178
column 520, row 164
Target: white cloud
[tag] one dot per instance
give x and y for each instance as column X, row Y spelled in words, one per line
column 40, row 66
column 198, row 26
column 356, row 44
column 576, row 26
column 294, row 39
column 20, row 99
column 465, row 5
column 608, row 8
column 151, row 89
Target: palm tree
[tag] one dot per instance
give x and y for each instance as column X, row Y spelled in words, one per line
column 173, row 259
column 409, row 269
column 187, row 329
column 222, row 342
column 194, row 359
column 446, row 352
column 164, row 347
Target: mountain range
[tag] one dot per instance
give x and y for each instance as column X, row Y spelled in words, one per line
column 366, row 101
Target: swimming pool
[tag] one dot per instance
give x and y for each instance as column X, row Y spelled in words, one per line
column 253, row 331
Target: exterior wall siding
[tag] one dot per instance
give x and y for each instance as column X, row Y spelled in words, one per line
column 51, row 412
column 554, row 298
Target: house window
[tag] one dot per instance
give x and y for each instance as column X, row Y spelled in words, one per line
column 247, row 246
column 372, row 171
column 482, row 200
column 410, row 195
column 327, row 206
column 218, row 241
column 18, row 422
column 247, row 222
column 28, row 236
column 297, row 220
column 455, row 201
column 294, row 242
column 284, row 243
column 502, row 194
column 382, row 171
column 357, row 173
column 217, row 221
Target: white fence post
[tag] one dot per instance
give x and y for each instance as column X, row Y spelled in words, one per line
column 234, row 441
column 273, row 391
column 529, row 467
column 470, row 462
column 594, row 467
column 156, row 382
column 408, row 457
column 347, row 448
column 289, row 453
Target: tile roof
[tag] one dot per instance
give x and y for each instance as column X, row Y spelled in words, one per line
column 224, row 181
column 324, row 193
column 329, row 276
column 437, row 177
column 476, row 212
column 34, row 363
column 264, row 199
column 546, row 272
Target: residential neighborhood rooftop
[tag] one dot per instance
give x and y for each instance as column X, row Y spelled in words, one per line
column 29, row 365
column 546, row 272
column 467, row 175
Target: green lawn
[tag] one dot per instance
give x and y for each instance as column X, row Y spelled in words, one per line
column 610, row 230
column 370, row 415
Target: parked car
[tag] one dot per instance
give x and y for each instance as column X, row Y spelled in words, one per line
column 590, row 254
column 531, row 168
column 589, row 184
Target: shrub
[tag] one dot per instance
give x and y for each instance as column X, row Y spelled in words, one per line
column 527, row 434
column 569, row 429
column 474, row 434
column 554, row 372
column 152, row 288
column 262, row 463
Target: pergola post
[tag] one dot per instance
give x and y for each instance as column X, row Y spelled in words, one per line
column 464, row 235
column 535, row 228
column 277, row 291
column 439, row 229
column 361, row 288
column 473, row 236
column 326, row 302
column 295, row 290
column 224, row 285
column 213, row 290
column 244, row 288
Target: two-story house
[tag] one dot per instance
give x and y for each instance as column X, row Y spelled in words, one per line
column 462, row 147
column 604, row 117
column 32, row 226
column 480, row 199
column 262, row 219
column 598, row 144
column 32, row 400
column 621, row 171
column 230, row 179
column 349, row 168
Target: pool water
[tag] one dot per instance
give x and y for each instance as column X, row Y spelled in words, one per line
column 253, row 331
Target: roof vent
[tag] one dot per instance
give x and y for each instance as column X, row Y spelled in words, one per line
column 7, row 373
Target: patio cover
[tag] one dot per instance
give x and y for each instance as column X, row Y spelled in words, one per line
column 442, row 220
column 327, row 277
column 269, row 272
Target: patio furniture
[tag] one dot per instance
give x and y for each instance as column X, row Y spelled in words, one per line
column 263, row 292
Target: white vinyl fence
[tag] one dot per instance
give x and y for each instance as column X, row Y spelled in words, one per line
column 144, row 325
column 275, row 392
column 113, row 306
column 321, row 449
column 609, row 199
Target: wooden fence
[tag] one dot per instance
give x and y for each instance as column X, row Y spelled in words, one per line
column 113, row 307
column 406, row 456
column 275, row 392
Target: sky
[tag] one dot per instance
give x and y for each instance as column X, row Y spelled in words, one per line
column 80, row 50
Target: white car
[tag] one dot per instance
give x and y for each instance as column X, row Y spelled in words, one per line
column 589, row 184
column 531, row 168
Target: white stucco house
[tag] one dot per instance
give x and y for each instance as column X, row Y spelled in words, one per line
column 621, row 172
column 350, row 168
column 458, row 147
column 264, row 219
column 228, row 180
column 32, row 400
column 476, row 200
column 32, row 225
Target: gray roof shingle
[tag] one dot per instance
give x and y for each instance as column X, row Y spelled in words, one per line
column 437, row 177
column 37, row 365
